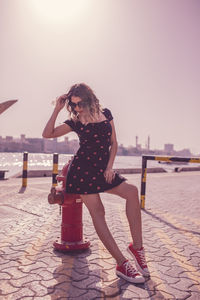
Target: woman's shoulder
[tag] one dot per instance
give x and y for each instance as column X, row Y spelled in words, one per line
column 71, row 122
column 107, row 113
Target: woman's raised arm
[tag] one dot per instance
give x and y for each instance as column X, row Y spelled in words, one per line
column 50, row 131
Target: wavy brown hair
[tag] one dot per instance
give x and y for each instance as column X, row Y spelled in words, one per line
column 90, row 101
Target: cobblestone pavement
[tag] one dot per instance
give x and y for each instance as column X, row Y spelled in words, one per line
column 31, row 269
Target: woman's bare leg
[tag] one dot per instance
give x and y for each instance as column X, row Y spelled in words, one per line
column 95, row 206
column 133, row 212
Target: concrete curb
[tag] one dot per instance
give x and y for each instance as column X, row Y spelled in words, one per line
column 48, row 173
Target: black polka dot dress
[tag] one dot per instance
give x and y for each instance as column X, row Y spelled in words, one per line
column 86, row 172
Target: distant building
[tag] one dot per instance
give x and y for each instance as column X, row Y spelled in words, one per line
column 42, row 145
column 184, row 152
column 148, row 143
column 136, row 141
column 34, row 145
column 23, row 138
column 169, row 149
column 9, row 139
column 37, row 145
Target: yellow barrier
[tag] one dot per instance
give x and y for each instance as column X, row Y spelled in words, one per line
column 25, row 167
column 159, row 158
column 55, row 169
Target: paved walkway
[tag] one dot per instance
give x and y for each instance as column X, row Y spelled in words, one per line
column 31, row 269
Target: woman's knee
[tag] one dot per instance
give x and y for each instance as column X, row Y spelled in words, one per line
column 134, row 189
column 131, row 191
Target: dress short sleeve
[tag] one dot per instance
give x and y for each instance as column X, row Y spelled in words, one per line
column 107, row 113
column 71, row 123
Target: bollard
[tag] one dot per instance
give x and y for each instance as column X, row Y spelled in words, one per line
column 55, row 169
column 25, row 166
column 143, row 182
column 71, row 226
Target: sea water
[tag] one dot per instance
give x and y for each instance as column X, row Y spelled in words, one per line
column 13, row 162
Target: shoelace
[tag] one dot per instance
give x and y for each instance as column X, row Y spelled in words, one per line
column 142, row 257
column 129, row 268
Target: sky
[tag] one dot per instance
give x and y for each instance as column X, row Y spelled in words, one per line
column 140, row 57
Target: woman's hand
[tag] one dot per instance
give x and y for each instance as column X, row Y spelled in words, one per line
column 60, row 102
column 109, row 175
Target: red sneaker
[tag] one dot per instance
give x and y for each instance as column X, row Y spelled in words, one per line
column 127, row 272
column 139, row 257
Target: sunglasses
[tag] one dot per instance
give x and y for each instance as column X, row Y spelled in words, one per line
column 80, row 104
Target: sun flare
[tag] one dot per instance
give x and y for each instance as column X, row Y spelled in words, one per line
column 59, row 11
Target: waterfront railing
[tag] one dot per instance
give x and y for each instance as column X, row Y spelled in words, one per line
column 167, row 159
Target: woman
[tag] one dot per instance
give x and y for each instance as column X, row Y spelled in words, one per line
column 91, row 172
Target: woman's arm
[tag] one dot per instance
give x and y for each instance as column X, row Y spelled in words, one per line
column 50, row 131
column 109, row 173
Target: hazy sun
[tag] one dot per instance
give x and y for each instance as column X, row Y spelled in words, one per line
column 59, row 11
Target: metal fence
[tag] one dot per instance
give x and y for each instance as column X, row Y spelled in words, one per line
column 159, row 158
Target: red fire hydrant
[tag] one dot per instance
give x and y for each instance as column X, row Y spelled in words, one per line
column 71, row 226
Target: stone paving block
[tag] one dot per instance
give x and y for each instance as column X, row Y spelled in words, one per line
column 111, row 288
column 108, row 275
column 161, row 295
column 50, row 285
column 136, row 291
column 89, row 294
column 62, row 277
column 186, row 283
column 32, row 267
column 13, row 272
column 192, row 275
column 107, row 263
column 196, row 253
column 6, row 262
column 93, row 266
column 7, row 289
column 194, row 296
column 189, row 251
column 159, row 267
column 195, row 288
column 48, row 260
column 77, row 276
column 195, row 261
column 91, row 281
column 98, row 266
column 45, row 274
column 165, row 278
column 155, row 259
column 5, row 276
column 174, row 271
column 36, row 288
column 23, row 293
column 23, row 281
column 94, row 256
column 178, row 294
column 81, row 293
column 154, row 281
